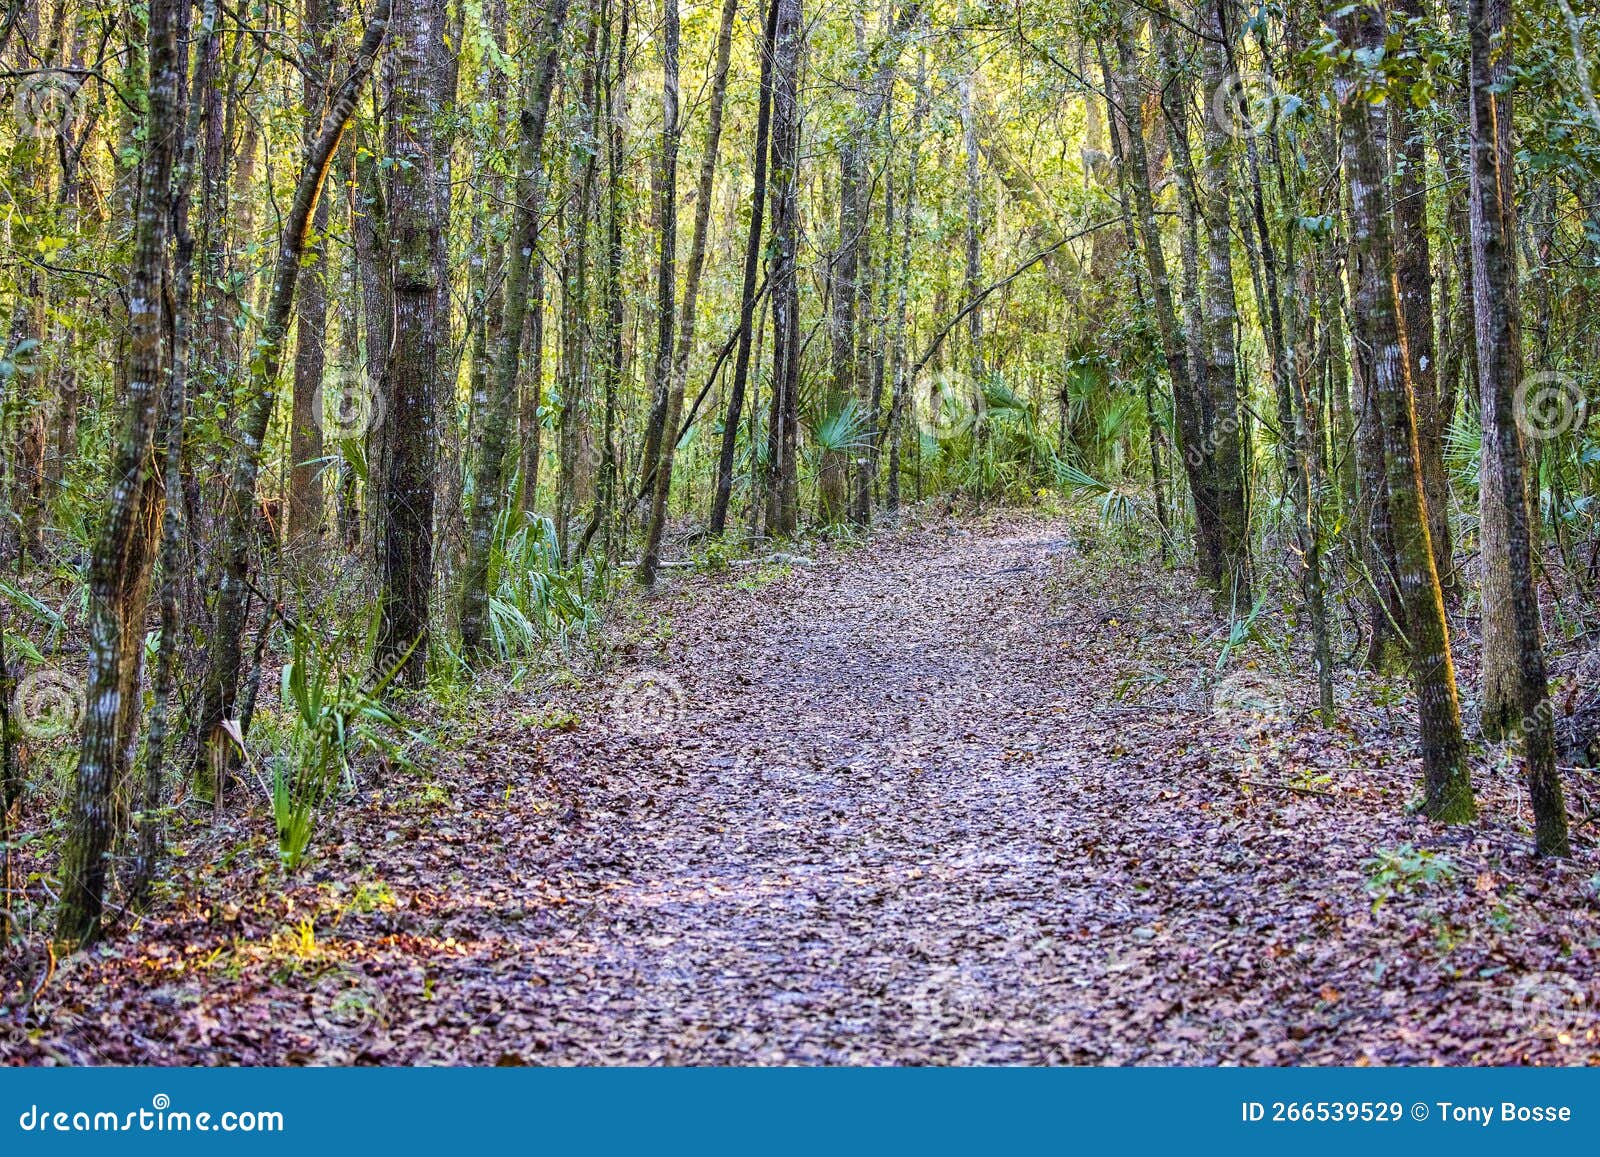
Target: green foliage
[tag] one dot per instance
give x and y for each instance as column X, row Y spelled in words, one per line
column 842, row 428
column 333, row 716
column 534, row 599
column 1404, row 870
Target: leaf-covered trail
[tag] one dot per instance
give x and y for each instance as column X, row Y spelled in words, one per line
column 899, row 814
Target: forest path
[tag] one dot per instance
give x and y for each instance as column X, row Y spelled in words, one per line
column 892, row 808
column 896, row 806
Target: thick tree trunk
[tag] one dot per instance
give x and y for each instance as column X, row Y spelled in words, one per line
column 1221, row 315
column 120, row 561
column 1515, row 695
column 575, row 371
column 416, row 221
column 1446, row 780
column 180, row 328
column 1414, row 279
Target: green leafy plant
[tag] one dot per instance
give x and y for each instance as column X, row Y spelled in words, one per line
column 333, row 715
column 534, row 598
column 1401, row 871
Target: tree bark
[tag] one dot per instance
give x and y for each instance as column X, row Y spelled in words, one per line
column 1221, row 315
column 1414, row 279
column 311, row 324
column 416, row 222
column 1515, row 694
column 1447, row 783
column 782, row 489
column 668, row 384
column 118, row 567
column 747, row 295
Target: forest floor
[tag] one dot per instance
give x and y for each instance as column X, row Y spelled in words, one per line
column 962, row 793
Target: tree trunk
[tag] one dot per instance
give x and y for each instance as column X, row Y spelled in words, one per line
column 1446, row 780
column 119, row 564
column 416, row 221
column 900, row 393
column 1221, row 315
column 1515, row 695
column 1414, row 279
column 747, row 295
column 668, row 385
column 783, row 507
column 311, row 324
column 497, row 412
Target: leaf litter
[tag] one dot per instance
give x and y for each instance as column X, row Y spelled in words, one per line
column 966, row 793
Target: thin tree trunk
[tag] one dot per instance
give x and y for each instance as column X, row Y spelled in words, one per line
column 311, row 324
column 667, row 384
column 747, row 296
column 497, row 411
column 900, row 394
